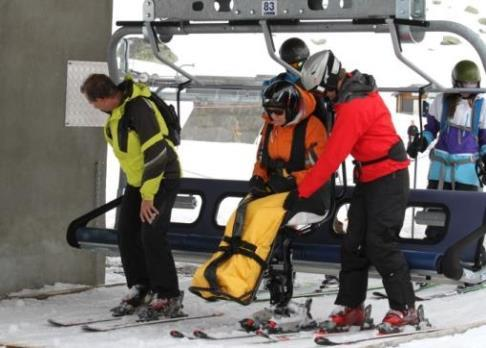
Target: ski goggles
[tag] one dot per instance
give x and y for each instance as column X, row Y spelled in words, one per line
column 297, row 65
column 277, row 112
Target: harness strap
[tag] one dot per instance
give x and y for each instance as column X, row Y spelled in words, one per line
column 297, row 152
column 396, row 152
column 476, row 115
column 235, row 246
column 450, row 163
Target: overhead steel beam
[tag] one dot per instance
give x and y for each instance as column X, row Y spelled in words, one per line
column 251, row 10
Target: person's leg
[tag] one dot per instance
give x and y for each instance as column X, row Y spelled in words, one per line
column 158, row 255
column 131, row 252
column 353, row 277
column 129, row 239
column 386, row 200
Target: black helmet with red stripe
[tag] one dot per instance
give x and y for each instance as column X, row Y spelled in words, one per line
column 282, row 95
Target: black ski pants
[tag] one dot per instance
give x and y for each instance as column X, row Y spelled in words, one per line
column 144, row 248
column 375, row 218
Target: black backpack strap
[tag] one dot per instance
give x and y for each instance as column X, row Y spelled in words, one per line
column 297, row 154
column 264, row 149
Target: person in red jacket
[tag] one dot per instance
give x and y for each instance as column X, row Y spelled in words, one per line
column 364, row 129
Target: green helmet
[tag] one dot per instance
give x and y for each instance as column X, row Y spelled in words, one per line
column 465, row 71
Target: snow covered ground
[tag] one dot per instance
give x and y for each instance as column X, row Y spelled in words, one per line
column 23, row 322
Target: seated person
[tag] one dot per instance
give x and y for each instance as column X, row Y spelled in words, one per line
column 292, row 138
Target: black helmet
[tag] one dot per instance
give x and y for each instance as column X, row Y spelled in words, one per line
column 294, row 50
column 282, row 95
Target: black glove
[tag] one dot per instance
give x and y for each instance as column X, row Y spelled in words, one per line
column 418, row 144
column 257, row 186
column 316, row 203
column 278, row 183
column 481, row 169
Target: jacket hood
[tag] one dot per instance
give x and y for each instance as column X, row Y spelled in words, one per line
column 357, row 85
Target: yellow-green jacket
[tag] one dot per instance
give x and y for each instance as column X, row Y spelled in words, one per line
column 138, row 134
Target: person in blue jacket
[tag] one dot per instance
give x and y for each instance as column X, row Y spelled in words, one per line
column 457, row 122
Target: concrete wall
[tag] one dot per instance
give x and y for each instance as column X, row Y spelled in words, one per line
column 47, row 171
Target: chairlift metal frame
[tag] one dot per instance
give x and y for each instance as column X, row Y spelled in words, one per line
column 404, row 21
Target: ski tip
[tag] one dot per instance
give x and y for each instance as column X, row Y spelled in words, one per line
column 53, row 322
column 323, row 341
column 88, row 328
column 177, row 334
column 200, row 334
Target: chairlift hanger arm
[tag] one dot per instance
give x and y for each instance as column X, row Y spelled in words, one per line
column 154, row 43
column 467, row 33
column 271, row 49
column 398, row 52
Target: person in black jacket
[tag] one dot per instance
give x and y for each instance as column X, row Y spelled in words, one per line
column 138, row 134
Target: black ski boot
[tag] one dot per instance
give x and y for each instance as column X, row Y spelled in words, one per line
column 161, row 306
column 137, row 296
column 293, row 317
column 329, row 280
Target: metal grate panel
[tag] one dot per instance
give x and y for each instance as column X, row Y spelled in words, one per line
column 78, row 111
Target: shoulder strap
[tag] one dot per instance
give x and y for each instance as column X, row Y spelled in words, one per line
column 476, row 115
column 264, row 149
column 297, row 153
column 443, row 116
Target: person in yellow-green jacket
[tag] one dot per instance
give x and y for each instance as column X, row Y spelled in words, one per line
column 138, row 134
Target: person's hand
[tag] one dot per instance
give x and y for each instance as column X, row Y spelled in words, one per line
column 148, row 212
column 279, row 183
column 481, row 169
column 419, row 144
column 316, row 203
column 257, row 186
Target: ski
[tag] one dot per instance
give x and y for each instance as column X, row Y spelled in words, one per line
column 123, row 324
column 322, row 340
column 379, row 295
column 312, row 293
column 200, row 334
column 394, row 339
column 269, row 338
column 457, row 291
column 83, row 320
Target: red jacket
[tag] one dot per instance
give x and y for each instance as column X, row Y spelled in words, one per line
column 363, row 129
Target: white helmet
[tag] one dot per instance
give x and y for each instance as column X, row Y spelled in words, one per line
column 321, row 70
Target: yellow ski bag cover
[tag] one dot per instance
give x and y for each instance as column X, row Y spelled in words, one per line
column 234, row 271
